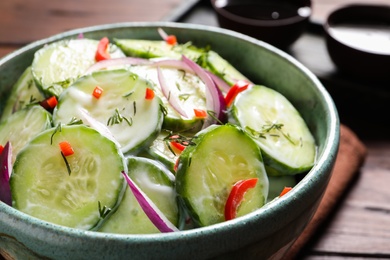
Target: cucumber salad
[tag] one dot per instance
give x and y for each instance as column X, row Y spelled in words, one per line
column 137, row 136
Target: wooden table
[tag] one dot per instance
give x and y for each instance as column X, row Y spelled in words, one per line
column 360, row 226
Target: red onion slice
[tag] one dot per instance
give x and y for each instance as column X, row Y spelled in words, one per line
column 176, row 64
column 214, row 99
column 5, row 173
column 221, row 84
column 150, row 209
column 117, row 62
column 172, row 99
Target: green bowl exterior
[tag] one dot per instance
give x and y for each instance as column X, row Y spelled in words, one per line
column 267, row 232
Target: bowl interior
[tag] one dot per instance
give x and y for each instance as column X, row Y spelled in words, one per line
column 263, row 64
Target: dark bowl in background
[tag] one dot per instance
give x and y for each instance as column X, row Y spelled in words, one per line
column 277, row 22
column 355, row 58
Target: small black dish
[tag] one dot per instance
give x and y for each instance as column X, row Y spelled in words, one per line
column 278, row 22
column 358, row 41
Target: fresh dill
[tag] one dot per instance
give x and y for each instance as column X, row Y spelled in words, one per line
column 272, row 129
column 117, row 118
column 128, row 94
column 184, row 97
column 103, row 211
column 75, row 121
column 56, row 130
column 66, row 163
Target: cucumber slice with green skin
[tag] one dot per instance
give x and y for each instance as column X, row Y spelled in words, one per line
column 155, row 49
column 133, row 120
column 207, row 171
column 160, row 151
column 208, row 59
column 23, row 93
column 158, row 184
column 22, row 126
column 187, row 87
column 42, row 187
column 58, row 65
column 163, row 152
column 286, row 143
column 222, row 68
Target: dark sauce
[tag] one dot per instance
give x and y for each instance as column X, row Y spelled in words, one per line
column 267, row 11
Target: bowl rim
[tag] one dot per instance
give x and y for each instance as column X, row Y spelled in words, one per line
column 260, row 23
column 329, row 150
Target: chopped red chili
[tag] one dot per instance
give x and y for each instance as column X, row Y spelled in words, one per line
column 101, row 52
column 236, row 196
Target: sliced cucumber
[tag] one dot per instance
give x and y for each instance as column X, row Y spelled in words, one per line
column 158, row 184
column 23, row 93
column 206, row 58
column 221, row 156
column 155, row 49
column 187, row 88
column 287, row 145
column 160, row 151
column 23, row 125
column 59, row 64
column 222, row 68
column 42, row 186
column 133, row 120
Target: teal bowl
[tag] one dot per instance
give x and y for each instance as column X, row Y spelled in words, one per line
column 265, row 233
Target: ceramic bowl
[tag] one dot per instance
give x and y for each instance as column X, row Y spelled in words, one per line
column 267, row 232
column 358, row 42
column 279, row 23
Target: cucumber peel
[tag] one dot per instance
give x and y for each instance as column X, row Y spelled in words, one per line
column 133, row 120
column 22, row 126
column 287, row 144
column 68, row 191
column 59, row 64
column 221, row 156
column 23, row 93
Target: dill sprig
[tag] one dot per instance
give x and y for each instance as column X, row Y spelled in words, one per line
column 66, row 163
column 56, row 130
column 271, row 129
column 103, row 211
column 118, row 118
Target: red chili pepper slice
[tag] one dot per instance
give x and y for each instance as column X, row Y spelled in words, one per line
column 66, row 148
column 97, row 92
column 236, row 196
column 240, row 86
column 1, row 149
column 49, row 103
column 171, row 39
column 200, row 113
column 101, row 52
column 177, row 145
column 149, row 95
column 284, row 191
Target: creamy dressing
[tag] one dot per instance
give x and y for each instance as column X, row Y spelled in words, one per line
column 373, row 38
